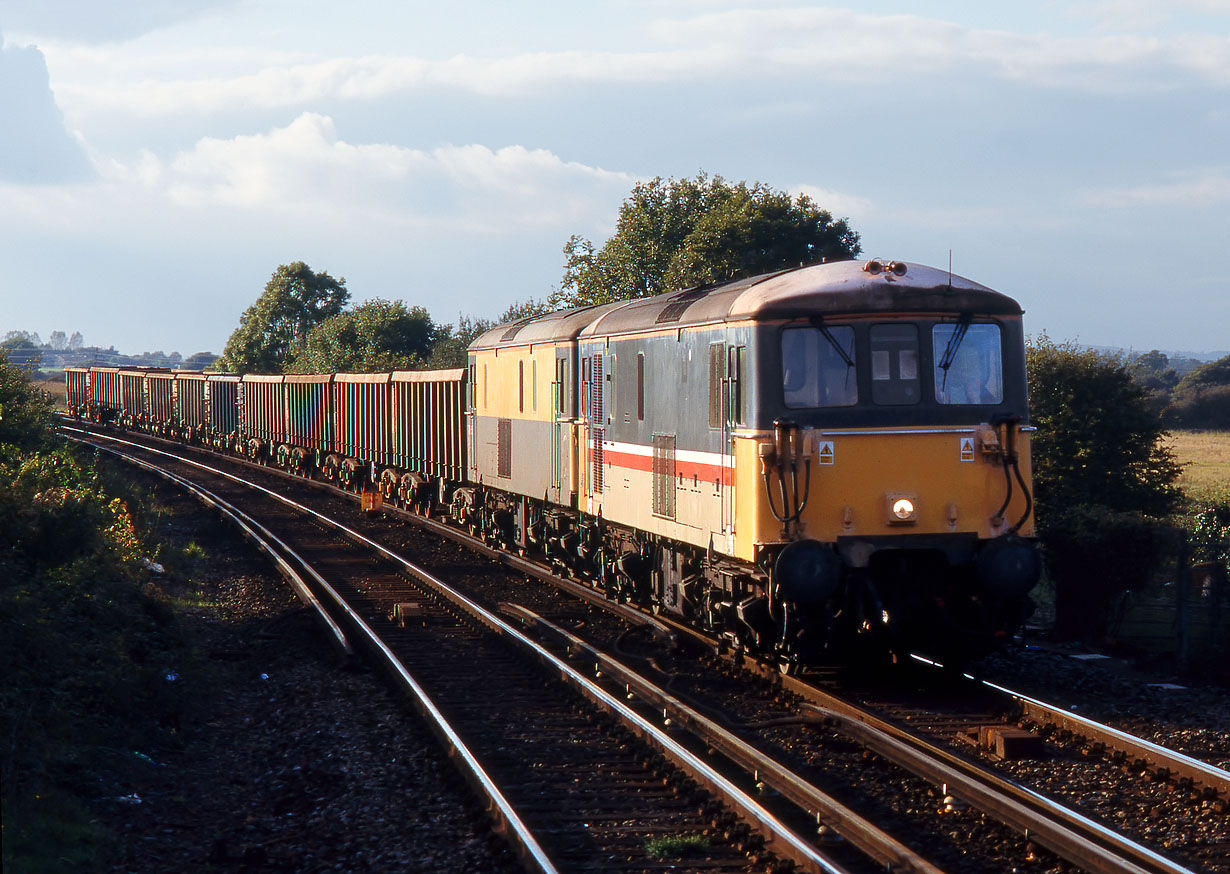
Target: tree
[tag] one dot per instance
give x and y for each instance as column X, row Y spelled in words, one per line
column 199, row 360
column 32, row 339
column 273, row 330
column 677, row 234
column 519, row 310
column 25, row 413
column 452, row 341
column 1201, row 399
column 76, row 341
column 20, row 352
column 1103, row 477
column 58, row 340
column 1152, row 371
column 371, row 338
column 1097, row 442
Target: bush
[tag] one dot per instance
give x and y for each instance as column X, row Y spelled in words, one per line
column 83, row 647
column 25, row 412
column 1103, row 477
column 1098, row 442
column 1200, row 407
column 1209, row 524
column 1093, row 555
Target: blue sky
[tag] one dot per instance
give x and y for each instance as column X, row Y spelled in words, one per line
column 160, row 158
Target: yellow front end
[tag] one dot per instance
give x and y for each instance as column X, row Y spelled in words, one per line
column 880, row 483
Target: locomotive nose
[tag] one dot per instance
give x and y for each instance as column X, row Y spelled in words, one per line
column 1009, row 566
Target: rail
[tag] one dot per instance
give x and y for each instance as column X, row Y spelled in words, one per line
column 508, row 822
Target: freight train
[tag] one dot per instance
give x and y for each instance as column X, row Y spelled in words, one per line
column 812, row 463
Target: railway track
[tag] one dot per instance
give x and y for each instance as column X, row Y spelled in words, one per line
column 1041, row 823
column 568, row 787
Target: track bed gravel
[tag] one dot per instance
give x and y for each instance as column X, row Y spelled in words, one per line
column 286, row 762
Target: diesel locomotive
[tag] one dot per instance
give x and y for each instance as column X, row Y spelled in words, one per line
column 812, row 464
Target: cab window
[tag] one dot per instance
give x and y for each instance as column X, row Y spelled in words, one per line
column 818, row 367
column 968, row 364
column 894, row 364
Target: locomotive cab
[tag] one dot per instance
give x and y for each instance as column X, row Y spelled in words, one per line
column 887, row 473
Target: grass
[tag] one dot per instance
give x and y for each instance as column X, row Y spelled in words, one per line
column 1205, row 456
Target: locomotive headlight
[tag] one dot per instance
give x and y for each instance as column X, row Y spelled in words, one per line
column 902, row 509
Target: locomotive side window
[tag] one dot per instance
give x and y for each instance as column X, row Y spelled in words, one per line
column 818, row 367
column 968, row 364
column 894, row 364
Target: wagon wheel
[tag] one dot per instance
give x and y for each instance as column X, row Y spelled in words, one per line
column 406, row 488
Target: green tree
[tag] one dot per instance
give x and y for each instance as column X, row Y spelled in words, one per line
column 453, row 341
column 1103, row 478
column 375, row 336
column 199, row 360
column 677, row 234
column 273, row 330
column 1097, row 441
column 1201, row 399
column 20, row 352
column 1210, row 375
column 519, row 310
column 1152, row 371
column 25, row 413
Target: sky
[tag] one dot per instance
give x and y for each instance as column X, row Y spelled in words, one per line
column 160, row 158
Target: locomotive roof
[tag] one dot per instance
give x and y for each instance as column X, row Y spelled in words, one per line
column 839, row 288
column 558, row 325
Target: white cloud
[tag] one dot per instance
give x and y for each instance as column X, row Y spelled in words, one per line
column 305, row 174
column 840, row 45
column 1194, row 189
